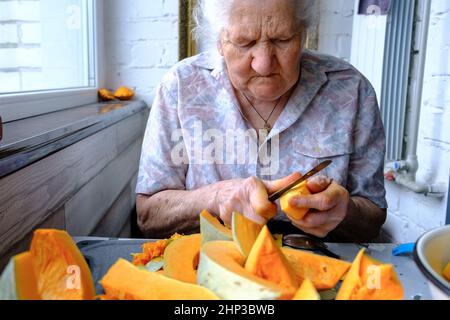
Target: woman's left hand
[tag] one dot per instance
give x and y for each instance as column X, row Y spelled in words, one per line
column 328, row 205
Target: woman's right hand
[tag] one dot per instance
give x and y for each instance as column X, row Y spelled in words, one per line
column 249, row 197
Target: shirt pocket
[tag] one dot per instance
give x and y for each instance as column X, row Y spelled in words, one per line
column 315, row 148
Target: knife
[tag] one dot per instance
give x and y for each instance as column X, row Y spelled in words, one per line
column 275, row 196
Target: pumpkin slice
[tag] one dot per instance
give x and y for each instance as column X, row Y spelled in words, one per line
column 105, row 95
column 324, row 272
column 268, row 262
column 124, row 281
column 369, row 279
column 221, row 270
column 307, row 291
column 212, row 230
column 292, row 212
column 53, row 269
column 18, row 281
column 61, row 270
column 124, row 93
column 245, row 232
column 446, row 272
column 181, row 258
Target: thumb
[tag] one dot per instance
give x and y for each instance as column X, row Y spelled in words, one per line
column 318, row 184
column 275, row 185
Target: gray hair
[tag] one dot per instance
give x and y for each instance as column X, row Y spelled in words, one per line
column 211, row 17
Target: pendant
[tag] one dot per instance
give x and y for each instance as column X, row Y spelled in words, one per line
column 268, row 128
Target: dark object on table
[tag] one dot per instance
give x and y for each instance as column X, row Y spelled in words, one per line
column 304, row 242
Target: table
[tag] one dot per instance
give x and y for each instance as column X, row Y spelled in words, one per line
column 101, row 253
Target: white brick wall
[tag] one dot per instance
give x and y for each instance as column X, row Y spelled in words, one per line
column 141, row 43
column 335, row 28
column 410, row 215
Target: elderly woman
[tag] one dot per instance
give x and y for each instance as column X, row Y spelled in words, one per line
column 229, row 128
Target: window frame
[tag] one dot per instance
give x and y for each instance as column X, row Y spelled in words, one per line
column 16, row 106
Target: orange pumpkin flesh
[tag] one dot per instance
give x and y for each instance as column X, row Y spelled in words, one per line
column 307, row 291
column 124, row 93
column 181, row 258
column 124, row 281
column 324, row 272
column 212, row 230
column 268, row 262
column 245, row 232
column 293, row 212
column 368, row 279
column 61, row 270
column 446, row 272
column 221, row 270
column 26, row 284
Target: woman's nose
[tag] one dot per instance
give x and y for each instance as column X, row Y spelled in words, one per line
column 263, row 60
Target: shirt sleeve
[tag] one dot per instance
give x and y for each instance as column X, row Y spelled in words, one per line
column 366, row 178
column 160, row 166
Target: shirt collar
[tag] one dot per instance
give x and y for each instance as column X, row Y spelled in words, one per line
column 315, row 68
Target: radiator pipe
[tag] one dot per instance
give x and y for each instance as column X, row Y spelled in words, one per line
column 404, row 172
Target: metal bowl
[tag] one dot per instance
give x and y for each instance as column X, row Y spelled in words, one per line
column 432, row 253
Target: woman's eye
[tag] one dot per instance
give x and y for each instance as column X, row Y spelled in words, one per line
column 282, row 41
column 247, row 44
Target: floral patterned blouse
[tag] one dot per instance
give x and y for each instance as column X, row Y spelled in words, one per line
column 196, row 134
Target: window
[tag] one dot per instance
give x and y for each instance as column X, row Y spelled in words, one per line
column 47, row 49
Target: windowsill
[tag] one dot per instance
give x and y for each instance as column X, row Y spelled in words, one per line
column 29, row 140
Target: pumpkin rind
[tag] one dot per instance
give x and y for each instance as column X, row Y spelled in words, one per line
column 307, row 291
column 212, row 230
column 294, row 213
column 245, row 232
column 181, row 258
column 324, row 272
column 268, row 262
column 124, row 281
column 221, row 269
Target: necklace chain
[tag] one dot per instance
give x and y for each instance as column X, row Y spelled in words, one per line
column 267, row 125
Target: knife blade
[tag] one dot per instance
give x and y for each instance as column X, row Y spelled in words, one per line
column 275, row 196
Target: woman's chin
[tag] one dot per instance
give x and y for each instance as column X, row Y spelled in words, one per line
column 267, row 94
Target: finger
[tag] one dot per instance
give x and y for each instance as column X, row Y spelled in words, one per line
column 323, row 201
column 318, row 219
column 275, row 185
column 318, row 184
column 259, row 201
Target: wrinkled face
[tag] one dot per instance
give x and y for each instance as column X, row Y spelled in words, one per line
column 261, row 47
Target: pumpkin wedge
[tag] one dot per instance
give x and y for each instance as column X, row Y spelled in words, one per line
column 221, row 269
column 268, row 262
column 294, row 213
column 124, row 281
column 212, row 230
column 124, row 93
column 324, row 272
column 18, row 281
column 53, row 269
column 369, row 279
column 245, row 232
column 181, row 258
column 307, row 291
column 61, row 270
